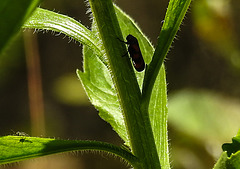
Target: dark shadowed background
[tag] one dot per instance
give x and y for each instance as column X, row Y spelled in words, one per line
column 203, row 75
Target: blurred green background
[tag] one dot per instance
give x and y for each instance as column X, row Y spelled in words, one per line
column 203, row 75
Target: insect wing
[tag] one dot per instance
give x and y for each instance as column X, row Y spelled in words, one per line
column 136, row 55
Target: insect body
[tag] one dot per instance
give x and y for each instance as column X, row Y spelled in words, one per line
column 135, row 53
column 23, row 135
column 24, row 140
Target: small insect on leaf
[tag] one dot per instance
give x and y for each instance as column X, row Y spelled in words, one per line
column 24, row 140
column 135, row 53
column 23, row 137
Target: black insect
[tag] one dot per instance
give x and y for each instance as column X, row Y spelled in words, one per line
column 23, row 135
column 24, row 140
column 135, row 53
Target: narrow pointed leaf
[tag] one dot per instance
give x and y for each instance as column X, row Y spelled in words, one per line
column 175, row 13
column 47, row 20
column 17, row 148
column 158, row 113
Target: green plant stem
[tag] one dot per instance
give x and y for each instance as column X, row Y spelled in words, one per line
column 129, row 95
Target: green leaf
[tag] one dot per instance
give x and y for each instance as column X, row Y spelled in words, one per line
column 48, row 20
column 225, row 162
column 222, row 162
column 154, row 86
column 98, row 84
column 234, row 161
column 13, row 13
column 175, row 13
column 230, row 157
column 158, row 113
column 232, row 148
column 17, row 148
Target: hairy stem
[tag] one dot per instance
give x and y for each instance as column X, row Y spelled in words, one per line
column 129, row 95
